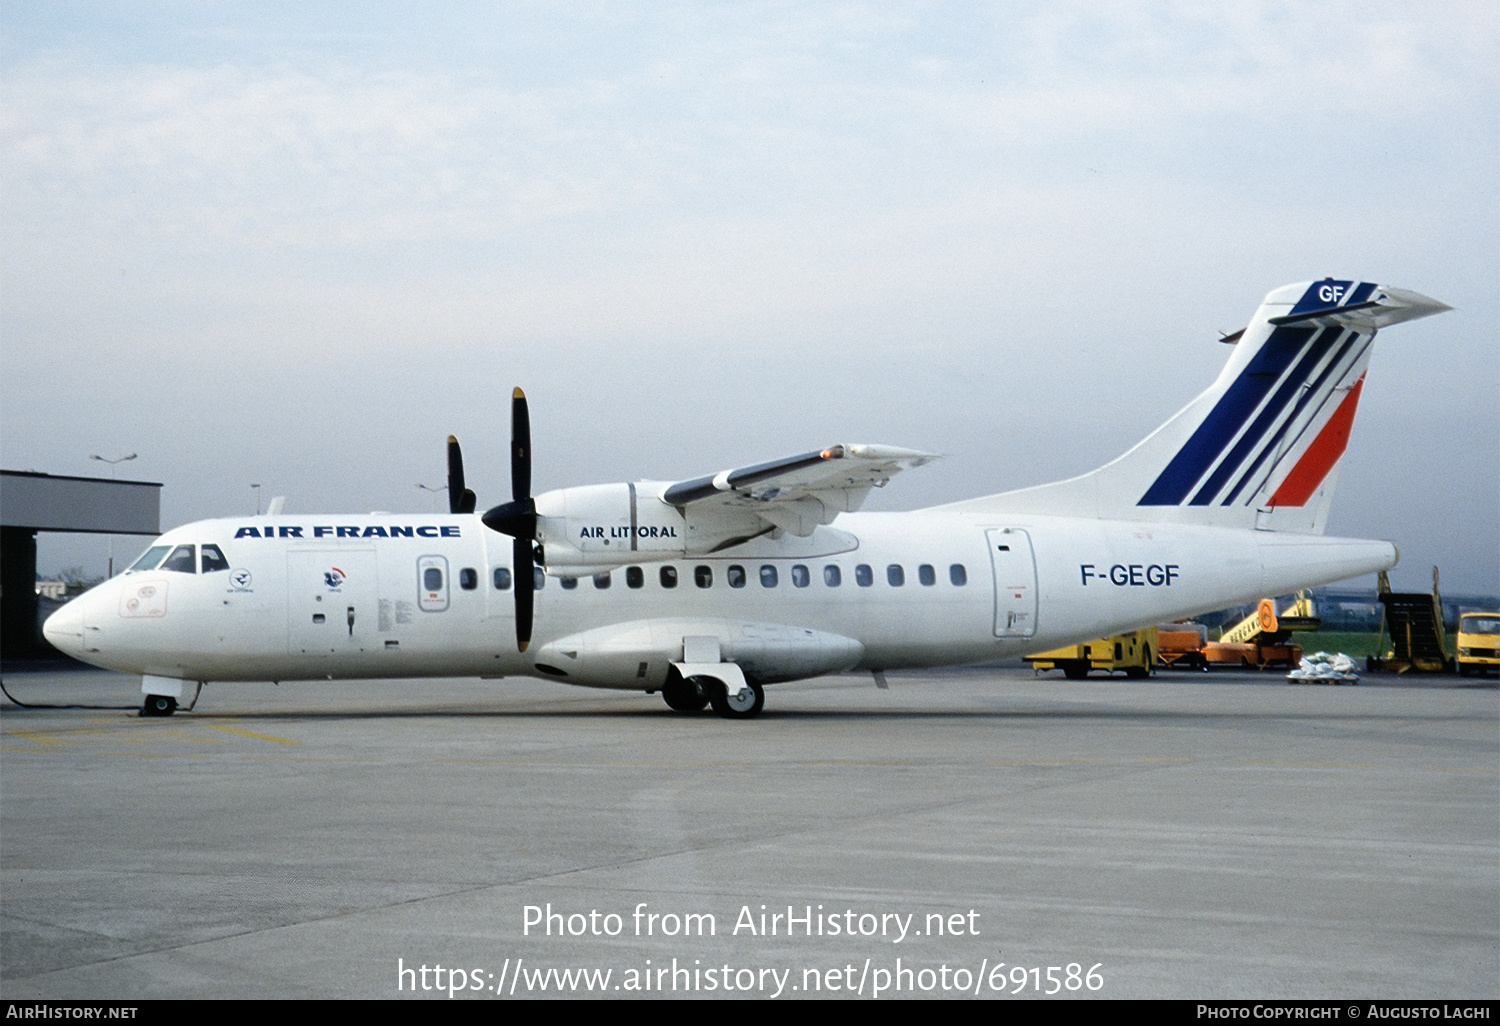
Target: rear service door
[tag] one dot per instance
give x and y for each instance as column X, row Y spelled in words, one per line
column 1015, row 582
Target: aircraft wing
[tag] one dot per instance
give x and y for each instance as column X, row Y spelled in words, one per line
column 800, row 492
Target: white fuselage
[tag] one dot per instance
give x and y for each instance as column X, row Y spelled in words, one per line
column 708, row 588
column 321, row 597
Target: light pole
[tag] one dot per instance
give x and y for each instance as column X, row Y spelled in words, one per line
column 112, row 463
column 256, row 488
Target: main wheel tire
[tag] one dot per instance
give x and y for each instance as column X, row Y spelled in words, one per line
column 1075, row 670
column 683, row 695
column 158, row 705
column 740, row 707
column 1140, row 672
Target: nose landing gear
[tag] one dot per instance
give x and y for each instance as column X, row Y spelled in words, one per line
column 158, row 705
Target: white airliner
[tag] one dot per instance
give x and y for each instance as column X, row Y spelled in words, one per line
column 710, row 588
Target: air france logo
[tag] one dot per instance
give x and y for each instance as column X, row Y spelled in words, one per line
column 240, row 579
column 334, row 578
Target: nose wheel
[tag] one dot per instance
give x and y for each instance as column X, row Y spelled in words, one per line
column 158, row 705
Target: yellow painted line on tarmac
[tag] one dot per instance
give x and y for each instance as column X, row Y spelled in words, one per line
column 47, row 739
column 249, row 733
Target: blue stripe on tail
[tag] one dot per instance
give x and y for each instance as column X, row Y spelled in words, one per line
column 1231, row 412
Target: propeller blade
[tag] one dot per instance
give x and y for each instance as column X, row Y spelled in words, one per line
column 517, row 518
column 524, row 567
column 520, row 446
column 460, row 499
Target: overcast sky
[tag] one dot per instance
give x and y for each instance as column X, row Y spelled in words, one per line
column 298, row 245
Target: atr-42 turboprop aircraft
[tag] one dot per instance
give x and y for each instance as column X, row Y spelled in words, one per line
column 708, row 589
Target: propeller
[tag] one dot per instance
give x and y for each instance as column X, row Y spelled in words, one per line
column 517, row 518
column 460, row 499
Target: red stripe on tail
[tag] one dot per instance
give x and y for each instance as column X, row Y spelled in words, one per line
column 1322, row 455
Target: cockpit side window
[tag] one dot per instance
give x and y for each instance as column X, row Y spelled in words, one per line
column 151, row 557
column 182, row 560
column 213, row 559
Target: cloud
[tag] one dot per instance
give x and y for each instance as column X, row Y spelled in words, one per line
column 927, row 223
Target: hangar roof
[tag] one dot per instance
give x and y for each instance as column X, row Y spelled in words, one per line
column 96, row 505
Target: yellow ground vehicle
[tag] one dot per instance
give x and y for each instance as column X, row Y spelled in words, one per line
column 1264, row 637
column 1131, row 652
column 1478, row 643
column 1260, row 640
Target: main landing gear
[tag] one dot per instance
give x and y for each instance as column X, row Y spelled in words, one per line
column 691, row 694
column 750, row 700
column 682, row 695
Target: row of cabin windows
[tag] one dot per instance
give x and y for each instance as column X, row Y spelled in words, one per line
column 737, row 577
column 186, row 559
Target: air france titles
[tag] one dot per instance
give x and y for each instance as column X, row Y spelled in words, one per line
column 344, row 531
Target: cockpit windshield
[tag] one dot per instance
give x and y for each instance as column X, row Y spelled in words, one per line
column 150, row 558
column 183, row 560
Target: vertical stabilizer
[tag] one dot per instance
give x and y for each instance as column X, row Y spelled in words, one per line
column 1261, row 447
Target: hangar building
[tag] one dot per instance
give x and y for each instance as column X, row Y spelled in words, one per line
column 31, row 502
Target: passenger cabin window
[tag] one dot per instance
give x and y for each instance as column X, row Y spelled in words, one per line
column 432, row 579
column 768, row 578
column 538, row 578
column 735, row 575
column 213, row 560
column 669, row 577
column 958, row 575
column 151, row 557
column 602, row 581
column 927, row 575
column 895, row 576
column 182, row 560
column 863, row 575
column 468, row 578
column 568, row 583
column 703, row 576
column 832, row 576
column 634, row 577
column 800, row 577
column 502, row 578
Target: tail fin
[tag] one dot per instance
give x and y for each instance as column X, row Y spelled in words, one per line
column 1260, row 448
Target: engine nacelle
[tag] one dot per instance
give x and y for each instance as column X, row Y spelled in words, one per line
column 596, row 528
column 637, row 655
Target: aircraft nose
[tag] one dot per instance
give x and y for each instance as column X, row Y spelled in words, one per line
column 64, row 628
